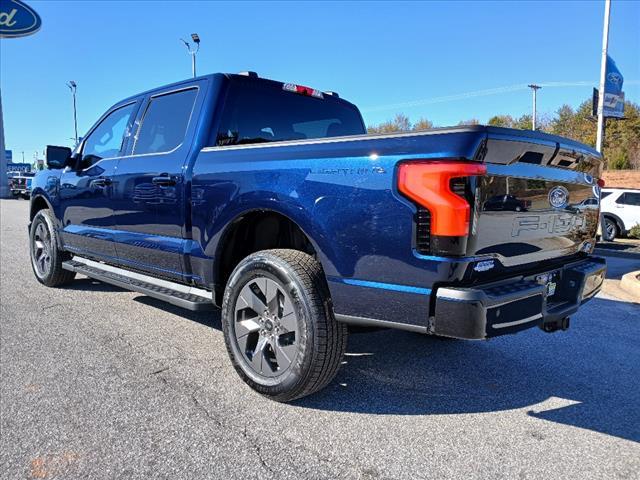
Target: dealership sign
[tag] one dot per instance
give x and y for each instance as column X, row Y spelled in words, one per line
column 613, row 105
column 17, row 19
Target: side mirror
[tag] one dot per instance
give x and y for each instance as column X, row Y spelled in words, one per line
column 57, row 157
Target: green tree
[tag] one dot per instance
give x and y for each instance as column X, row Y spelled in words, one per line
column 422, row 124
column 523, row 123
column 621, row 148
column 622, row 139
column 400, row 123
column 501, row 121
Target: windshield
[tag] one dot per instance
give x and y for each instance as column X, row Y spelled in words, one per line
column 261, row 111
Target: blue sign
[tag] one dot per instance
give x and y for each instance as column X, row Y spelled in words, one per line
column 17, row 19
column 613, row 95
column 8, row 154
column 18, row 167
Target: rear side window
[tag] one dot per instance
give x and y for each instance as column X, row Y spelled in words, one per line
column 629, row 198
column 261, row 111
column 604, row 195
column 165, row 122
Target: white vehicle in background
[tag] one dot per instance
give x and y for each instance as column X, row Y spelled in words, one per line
column 620, row 209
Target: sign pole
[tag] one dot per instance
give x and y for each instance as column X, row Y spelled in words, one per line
column 603, row 75
column 4, row 182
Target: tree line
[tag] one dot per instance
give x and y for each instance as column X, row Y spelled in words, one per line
column 621, row 147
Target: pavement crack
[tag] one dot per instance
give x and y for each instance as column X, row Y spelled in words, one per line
column 163, row 369
column 258, row 449
column 201, row 407
column 54, row 305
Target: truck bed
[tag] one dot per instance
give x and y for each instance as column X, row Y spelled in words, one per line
column 341, row 193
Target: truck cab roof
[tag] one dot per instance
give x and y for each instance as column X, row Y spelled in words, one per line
column 233, row 77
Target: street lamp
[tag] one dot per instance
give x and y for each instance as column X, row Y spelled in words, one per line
column 193, row 49
column 535, row 89
column 73, row 86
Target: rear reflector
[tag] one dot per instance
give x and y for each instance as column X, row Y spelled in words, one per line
column 311, row 92
column 429, row 185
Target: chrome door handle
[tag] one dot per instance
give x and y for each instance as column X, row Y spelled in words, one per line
column 164, row 180
column 101, row 182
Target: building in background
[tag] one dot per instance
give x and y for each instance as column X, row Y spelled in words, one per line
column 18, row 167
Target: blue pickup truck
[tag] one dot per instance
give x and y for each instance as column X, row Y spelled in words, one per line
column 269, row 200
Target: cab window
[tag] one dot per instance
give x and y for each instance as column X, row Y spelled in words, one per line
column 105, row 141
column 165, row 122
column 258, row 111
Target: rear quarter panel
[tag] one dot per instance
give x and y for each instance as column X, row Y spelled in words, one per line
column 342, row 195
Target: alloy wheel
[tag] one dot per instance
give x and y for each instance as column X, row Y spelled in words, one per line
column 266, row 327
column 611, row 229
column 41, row 249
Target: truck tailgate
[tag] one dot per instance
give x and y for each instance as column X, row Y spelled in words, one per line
column 539, row 199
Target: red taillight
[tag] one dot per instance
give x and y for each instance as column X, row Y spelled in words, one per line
column 429, row 185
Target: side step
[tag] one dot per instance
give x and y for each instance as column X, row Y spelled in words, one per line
column 174, row 293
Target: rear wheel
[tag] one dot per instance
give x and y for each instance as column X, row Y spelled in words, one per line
column 46, row 256
column 279, row 326
column 610, row 229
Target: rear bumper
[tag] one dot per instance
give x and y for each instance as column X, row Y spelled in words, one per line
column 516, row 304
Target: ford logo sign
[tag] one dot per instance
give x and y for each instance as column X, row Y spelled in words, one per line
column 614, row 78
column 559, row 197
column 17, row 19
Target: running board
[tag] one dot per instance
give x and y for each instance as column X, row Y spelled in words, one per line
column 174, row 293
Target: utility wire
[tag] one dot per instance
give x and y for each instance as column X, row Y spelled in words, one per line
column 481, row 93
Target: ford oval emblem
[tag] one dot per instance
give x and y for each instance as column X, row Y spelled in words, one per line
column 559, row 197
column 17, row 19
column 614, row 78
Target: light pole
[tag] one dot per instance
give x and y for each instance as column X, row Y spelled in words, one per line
column 603, row 75
column 73, row 86
column 193, row 49
column 535, row 89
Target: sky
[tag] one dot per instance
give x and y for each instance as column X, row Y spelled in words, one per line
column 444, row 61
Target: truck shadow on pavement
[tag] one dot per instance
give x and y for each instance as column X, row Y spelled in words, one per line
column 587, row 377
column 91, row 285
column 208, row 319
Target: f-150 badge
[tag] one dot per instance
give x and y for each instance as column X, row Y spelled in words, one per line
column 557, row 223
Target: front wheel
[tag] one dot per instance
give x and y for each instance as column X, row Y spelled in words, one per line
column 279, row 327
column 46, row 256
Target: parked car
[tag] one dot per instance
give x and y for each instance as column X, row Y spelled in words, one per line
column 620, row 211
column 271, row 202
column 505, row 202
column 20, row 184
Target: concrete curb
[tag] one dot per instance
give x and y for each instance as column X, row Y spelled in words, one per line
column 630, row 283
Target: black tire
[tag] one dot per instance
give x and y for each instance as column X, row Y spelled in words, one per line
column 320, row 341
column 49, row 273
column 610, row 230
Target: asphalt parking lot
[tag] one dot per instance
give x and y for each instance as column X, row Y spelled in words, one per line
column 98, row 382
